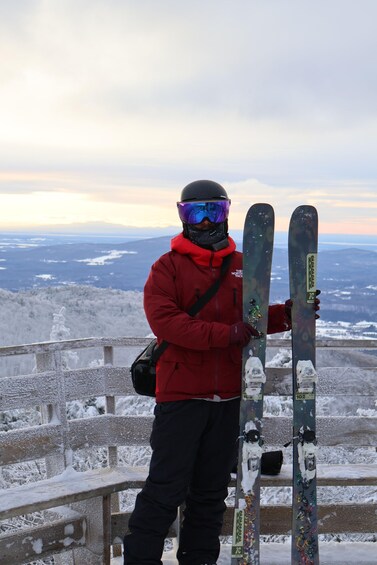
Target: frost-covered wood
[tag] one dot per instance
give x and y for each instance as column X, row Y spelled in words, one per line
column 45, row 440
column 30, row 443
column 332, row 518
column 54, row 384
column 72, row 486
column 68, row 487
column 332, row 381
column 277, row 520
column 36, row 389
column 328, row 343
column 328, row 475
column 65, row 345
column 28, row 545
column 332, row 431
column 27, row 390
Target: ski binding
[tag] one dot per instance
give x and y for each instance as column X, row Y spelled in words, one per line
column 306, row 379
column 251, row 456
column 254, row 377
column 307, row 453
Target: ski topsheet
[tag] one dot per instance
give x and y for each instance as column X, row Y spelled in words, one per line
column 302, row 250
column 257, row 257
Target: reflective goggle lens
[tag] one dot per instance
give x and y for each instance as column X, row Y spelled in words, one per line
column 195, row 212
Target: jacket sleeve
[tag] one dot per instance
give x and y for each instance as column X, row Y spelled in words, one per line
column 278, row 320
column 169, row 322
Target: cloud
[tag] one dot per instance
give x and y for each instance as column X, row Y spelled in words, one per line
column 124, row 100
column 260, row 60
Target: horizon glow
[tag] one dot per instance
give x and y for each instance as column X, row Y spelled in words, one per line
column 108, row 113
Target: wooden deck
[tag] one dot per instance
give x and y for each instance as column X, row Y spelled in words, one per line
column 85, row 519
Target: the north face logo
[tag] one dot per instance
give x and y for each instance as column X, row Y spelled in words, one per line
column 237, row 273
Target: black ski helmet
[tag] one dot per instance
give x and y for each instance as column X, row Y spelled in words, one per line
column 203, row 190
column 215, row 238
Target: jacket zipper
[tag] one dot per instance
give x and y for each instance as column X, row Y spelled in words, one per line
column 217, row 310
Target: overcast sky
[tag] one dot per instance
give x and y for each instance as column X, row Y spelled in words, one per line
column 109, row 107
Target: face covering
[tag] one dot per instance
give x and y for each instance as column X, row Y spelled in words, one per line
column 215, row 238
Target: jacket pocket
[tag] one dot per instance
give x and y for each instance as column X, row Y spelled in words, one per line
column 175, row 354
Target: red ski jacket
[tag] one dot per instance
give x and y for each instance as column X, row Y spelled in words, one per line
column 199, row 362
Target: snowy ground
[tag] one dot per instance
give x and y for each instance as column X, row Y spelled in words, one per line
column 279, row 554
column 83, row 312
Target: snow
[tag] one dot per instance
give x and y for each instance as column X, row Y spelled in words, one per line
column 65, row 313
column 106, row 259
column 69, row 529
column 45, row 277
column 238, row 273
column 52, row 261
column 331, row 553
column 37, row 545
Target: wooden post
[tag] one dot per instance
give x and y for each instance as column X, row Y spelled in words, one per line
column 112, row 452
column 51, row 361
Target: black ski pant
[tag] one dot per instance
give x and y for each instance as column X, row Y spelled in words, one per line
column 194, row 445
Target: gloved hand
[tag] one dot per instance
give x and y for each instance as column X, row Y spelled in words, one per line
column 288, row 309
column 288, row 306
column 241, row 332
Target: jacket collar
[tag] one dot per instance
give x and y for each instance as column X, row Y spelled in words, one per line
column 201, row 256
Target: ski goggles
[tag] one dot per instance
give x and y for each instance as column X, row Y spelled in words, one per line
column 195, row 212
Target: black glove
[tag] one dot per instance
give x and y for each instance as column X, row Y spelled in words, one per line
column 288, row 306
column 288, row 310
column 241, row 332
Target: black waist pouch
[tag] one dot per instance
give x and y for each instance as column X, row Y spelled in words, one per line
column 270, row 464
column 143, row 371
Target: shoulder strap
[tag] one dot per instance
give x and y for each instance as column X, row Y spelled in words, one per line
column 202, row 301
column 211, row 291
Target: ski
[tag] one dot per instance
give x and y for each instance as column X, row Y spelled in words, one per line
column 258, row 239
column 302, row 251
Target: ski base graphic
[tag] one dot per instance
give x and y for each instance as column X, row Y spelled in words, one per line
column 302, row 248
column 257, row 258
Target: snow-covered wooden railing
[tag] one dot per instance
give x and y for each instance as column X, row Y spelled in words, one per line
column 94, row 522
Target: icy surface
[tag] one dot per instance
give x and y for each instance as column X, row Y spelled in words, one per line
column 81, row 312
column 279, row 554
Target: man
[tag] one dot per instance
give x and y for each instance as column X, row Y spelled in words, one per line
column 194, row 436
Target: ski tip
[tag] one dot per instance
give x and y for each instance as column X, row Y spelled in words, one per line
column 304, row 214
column 261, row 205
column 261, row 209
column 305, row 209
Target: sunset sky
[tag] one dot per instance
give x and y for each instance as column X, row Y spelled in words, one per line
column 109, row 107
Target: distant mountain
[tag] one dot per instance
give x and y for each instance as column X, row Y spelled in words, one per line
column 349, row 280
column 100, row 229
column 107, row 265
column 347, row 277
